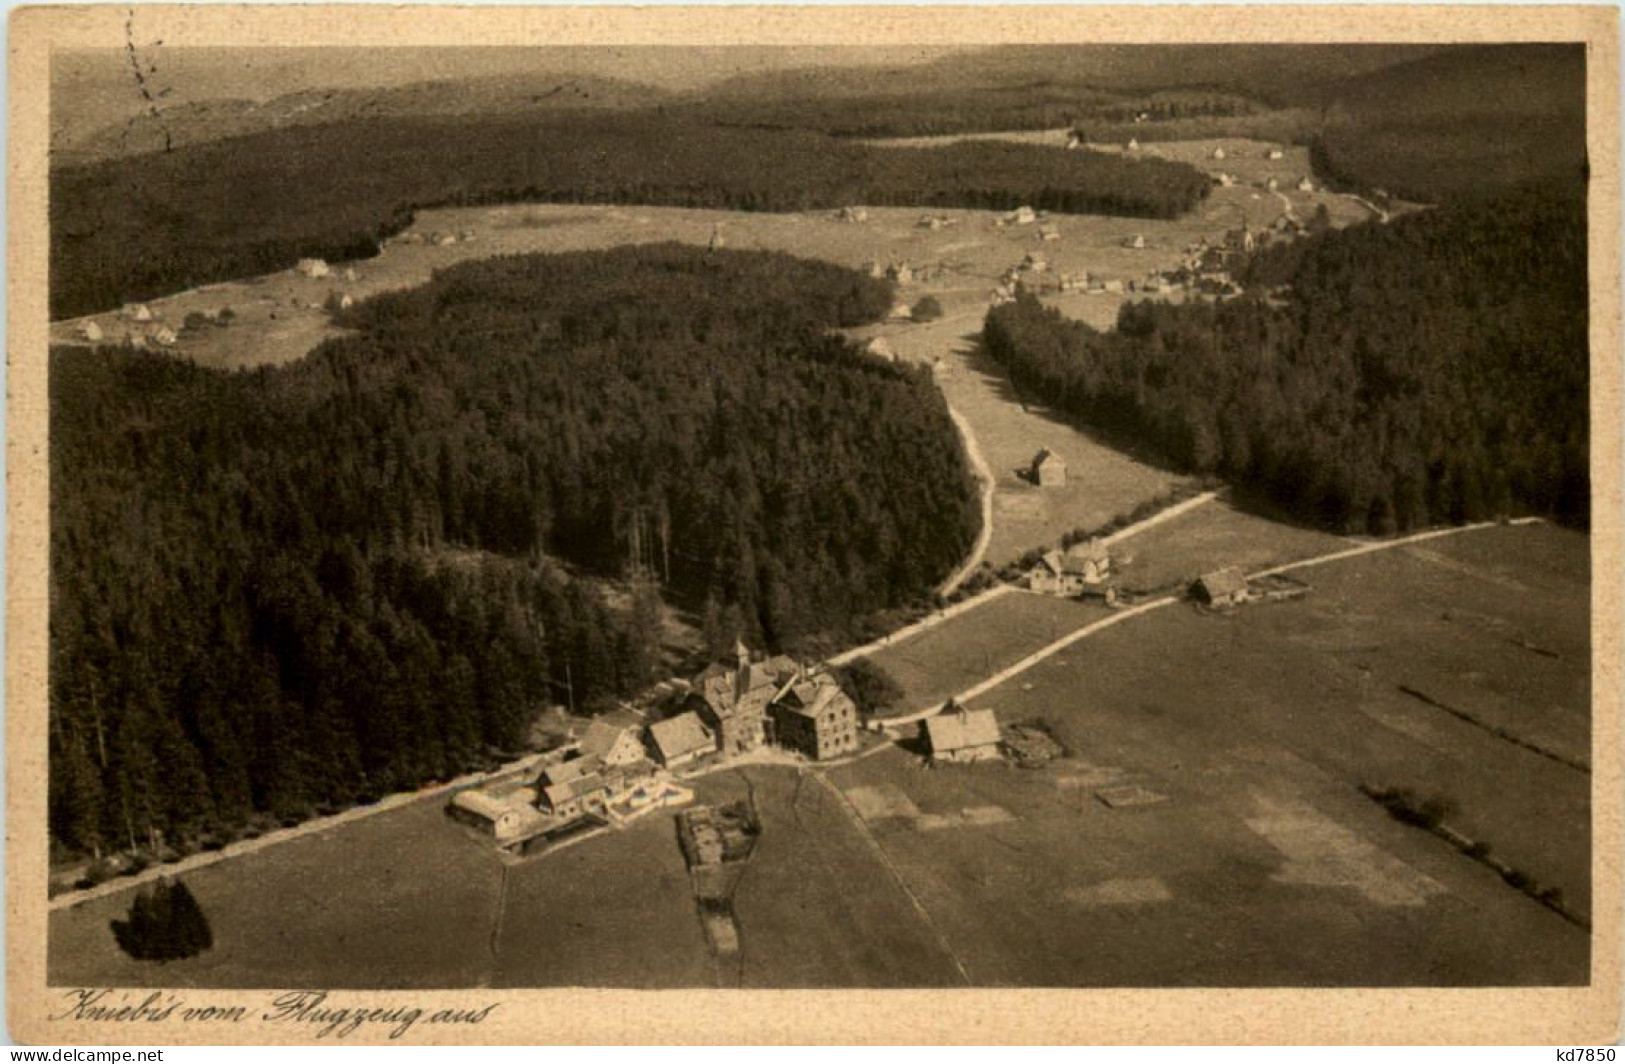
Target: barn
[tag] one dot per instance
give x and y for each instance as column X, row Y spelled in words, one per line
column 961, row 735
column 1224, row 587
column 1048, row 469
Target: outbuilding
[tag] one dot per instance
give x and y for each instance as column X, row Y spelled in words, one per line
column 960, row 735
column 313, row 268
column 1224, row 587
column 501, row 819
column 1048, row 469
column 680, row 740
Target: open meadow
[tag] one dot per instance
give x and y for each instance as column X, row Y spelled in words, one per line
column 1248, row 736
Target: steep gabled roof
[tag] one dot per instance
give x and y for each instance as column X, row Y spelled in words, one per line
column 682, row 734
column 962, row 730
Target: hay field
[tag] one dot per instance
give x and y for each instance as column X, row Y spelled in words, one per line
column 407, row 899
column 1264, row 865
column 942, row 661
column 1212, row 537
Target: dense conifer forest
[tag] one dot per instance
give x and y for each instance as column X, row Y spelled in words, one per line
column 1431, row 370
column 287, row 590
column 149, row 225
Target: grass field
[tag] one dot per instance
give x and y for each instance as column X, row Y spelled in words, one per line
column 407, row 899
column 1211, row 537
column 1256, row 729
column 942, row 661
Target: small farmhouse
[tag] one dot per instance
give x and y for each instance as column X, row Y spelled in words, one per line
column 1071, row 571
column 90, row 331
column 504, row 820
column 901, row 272
column 1274, row 155
column 1272, row 184
column 313, row 268
column 1133, row 145
column 1226, row 587
column 1023, row 215
column 614, row 740
column 879, row 348
column 1305, row 184
column 1135, row 242
column 853, row 214
column 961, row 735
column 164, row 336
column 900, row 311
column 138, row 312
column 1218, row 154
column 1048, row 231
column 568, row 799
column 680, row 740
column 1048, row 470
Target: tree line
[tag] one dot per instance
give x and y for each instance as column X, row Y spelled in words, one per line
column 283, row 591
column 144, row 226
column 1375, row 379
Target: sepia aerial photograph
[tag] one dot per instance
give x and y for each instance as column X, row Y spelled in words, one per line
column 820, row 517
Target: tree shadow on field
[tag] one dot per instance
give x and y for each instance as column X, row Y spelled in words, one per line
column 994, row 377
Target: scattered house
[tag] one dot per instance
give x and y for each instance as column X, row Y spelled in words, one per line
column 614, row 740
column 1071, row 571
column 1272, row 184
column 1114, row 284
column 718, row 241
column 313, row 268
column 932, row 222
column 1274, row 155
column 90, row 331
column 1133, row 145
column 1048, row 232
column 346, row 301
column 1305, row 184
column 879, row 348
column 1023, row 215
column 1218, row 154
column 1135, row 242
column 901, row 272
column 138, row 312
column 442, row 240
column 1226, row 180
column 900, row 311
column 1035, row 263
column 680, row 740
column 731, row 700
column 1074, row 140
column 164, row 336
column 466, row 236
column 852, row 214
column 1153, row 283
column 939, row 367
column 1226, row 587
column 1048, row 469
column 961, row 735
column 573, row 798
column 350, row 274
column 813, row 716
column 1242, row 239
column 875, row 269
column 504, row 820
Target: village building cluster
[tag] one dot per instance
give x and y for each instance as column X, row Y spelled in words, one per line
column 622, row 768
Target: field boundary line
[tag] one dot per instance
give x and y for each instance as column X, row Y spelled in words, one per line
column 885, row 859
